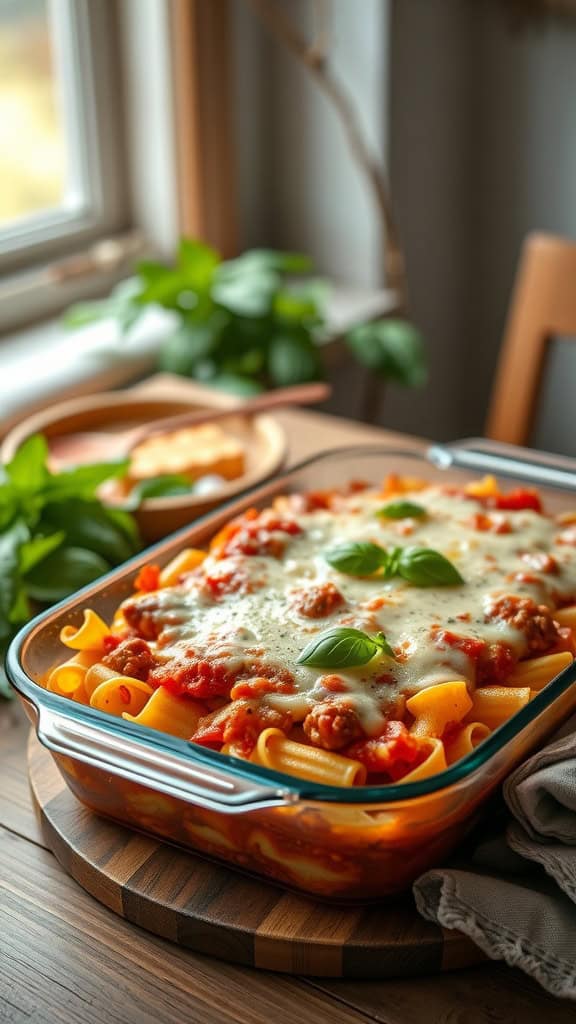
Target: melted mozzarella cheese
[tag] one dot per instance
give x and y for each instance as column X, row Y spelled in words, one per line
column 262, row 614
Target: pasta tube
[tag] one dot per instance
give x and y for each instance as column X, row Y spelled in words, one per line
column 67, row 679
column 87, row 637
column 537, row 672
column 493, row 705
column 566, row 616
column 186, row 561
column 119, row 694
column 274, row 750
column 465, row 741
column 434, row 763
column 96, row 675
column 438, row 706
column 177, row 716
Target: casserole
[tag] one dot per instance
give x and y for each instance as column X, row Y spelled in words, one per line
column 334, row 842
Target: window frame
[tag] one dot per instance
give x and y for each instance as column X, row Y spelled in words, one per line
column 86, row 80
column 173, row 184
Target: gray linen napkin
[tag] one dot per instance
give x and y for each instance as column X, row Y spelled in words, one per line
column 516, row 896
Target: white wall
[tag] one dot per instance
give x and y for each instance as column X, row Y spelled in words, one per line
column 299, row 187
column 483, row 151
column 479, row 122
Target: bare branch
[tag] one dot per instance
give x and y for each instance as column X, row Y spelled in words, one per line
column 318, row 51
column 314, row 59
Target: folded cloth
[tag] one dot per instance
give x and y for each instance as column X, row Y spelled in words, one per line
column 516, row 895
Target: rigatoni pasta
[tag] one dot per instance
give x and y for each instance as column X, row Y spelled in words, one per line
column 347, row 637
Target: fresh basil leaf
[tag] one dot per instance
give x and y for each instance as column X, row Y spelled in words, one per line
column 27, row 470
column 126, row 525
column 401, row 510
column 20, row 611
column 236, row 384
column 8, row 504
column 357, row 558
column 63, row 572
column 425, row 567
column 293, row 357
column 167, row 486
column 88, row 524
column 340, row 647
column 37, row 548
column 83, row 481
column 392, row 347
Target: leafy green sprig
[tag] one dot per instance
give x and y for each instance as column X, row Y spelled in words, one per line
column 55, row 535
column 243, row 326
column 344, row 647
column 423, row 567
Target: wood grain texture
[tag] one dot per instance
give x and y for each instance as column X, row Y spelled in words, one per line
column 543, row 307
column 214, row 910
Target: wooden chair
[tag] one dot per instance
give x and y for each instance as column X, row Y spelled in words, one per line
column 543, row 307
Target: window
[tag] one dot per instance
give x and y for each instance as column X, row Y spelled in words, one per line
column 105, row 109
column 60, row 164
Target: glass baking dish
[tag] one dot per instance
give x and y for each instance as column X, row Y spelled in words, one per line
column 333, row 842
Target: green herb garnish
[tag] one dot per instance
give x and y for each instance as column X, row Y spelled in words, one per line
column 401, row 510
column 423, row 567
column 55, row 535
column 343, row 647
column 167, row 486
column 356, row 558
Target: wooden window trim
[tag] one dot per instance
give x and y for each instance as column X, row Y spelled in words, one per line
column 205, row 157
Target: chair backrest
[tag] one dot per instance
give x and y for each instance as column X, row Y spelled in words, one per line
column 543, row 307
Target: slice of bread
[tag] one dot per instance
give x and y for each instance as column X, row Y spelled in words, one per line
column 192, row 452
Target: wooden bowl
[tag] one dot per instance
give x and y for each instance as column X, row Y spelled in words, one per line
column 262, row 436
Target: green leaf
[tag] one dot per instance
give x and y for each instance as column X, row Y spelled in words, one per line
column 63, row 572
column 83, row 313
column 342, row 647
column 236, row 385
column 401, row 510
column 246, row 294
column 37, row 548
column 198, row 261
column 27, row 470
column 166, row 486
column 83, row 481
column 302, row 304
column 269, row 260
column 191, row 343
column 393, row 348
column 8, row 505
column 123, row 305
column 293, row 358
column 425, row 567
column 88, row 524
column 357, row 558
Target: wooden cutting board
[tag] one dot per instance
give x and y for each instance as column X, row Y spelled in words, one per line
column 215, row 910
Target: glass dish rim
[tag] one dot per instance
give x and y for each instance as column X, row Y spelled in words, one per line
column 302, row 789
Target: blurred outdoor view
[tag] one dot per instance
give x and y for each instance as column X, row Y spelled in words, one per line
column 32, row 138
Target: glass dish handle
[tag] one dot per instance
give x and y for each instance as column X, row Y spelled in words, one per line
column 202, row 784
column 526, row 464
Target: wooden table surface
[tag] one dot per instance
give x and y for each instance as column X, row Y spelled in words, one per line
column 64, row 959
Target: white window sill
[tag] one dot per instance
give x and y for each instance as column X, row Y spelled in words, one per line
column 48, row 363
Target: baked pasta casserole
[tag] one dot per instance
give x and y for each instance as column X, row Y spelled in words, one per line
column 351, row 637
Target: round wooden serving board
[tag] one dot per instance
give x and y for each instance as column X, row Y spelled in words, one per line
column 213, row 910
